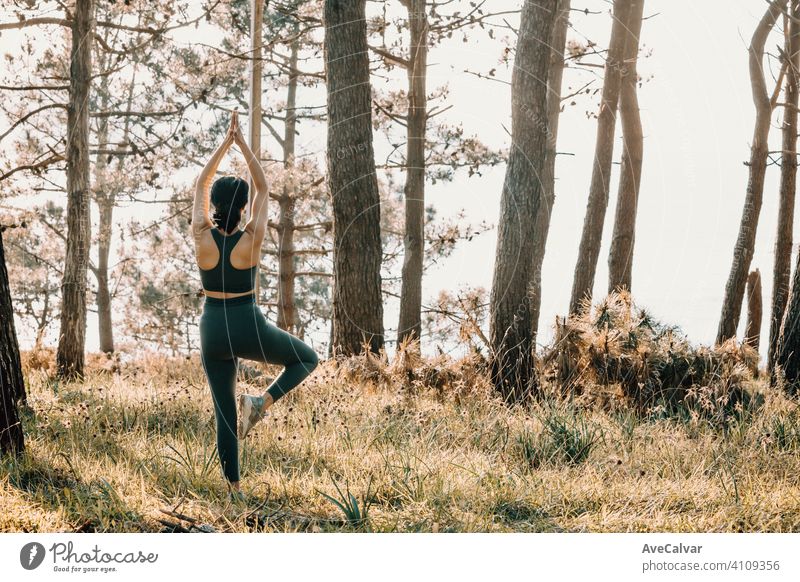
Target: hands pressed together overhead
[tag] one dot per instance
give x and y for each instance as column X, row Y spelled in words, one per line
column 234, row 134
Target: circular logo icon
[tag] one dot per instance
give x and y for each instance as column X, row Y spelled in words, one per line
column 31, row 555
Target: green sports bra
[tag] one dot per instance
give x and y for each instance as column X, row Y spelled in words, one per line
column 224, row 277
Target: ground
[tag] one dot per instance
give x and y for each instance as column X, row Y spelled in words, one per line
column 119, row 450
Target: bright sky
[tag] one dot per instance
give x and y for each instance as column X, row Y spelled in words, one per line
column 698, row 118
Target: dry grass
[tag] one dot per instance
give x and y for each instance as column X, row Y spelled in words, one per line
column 412, row 446
column 618, row 356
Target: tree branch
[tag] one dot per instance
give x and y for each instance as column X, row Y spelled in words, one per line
column 31, row 114
column 390, row 57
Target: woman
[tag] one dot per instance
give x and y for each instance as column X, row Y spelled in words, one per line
column 232, row 326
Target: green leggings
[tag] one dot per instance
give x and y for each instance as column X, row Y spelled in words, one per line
column 236, row 328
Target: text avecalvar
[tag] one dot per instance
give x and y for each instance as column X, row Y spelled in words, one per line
column 671, row 549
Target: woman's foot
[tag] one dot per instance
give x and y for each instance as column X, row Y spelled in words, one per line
column 236, row 496
column 251, row 410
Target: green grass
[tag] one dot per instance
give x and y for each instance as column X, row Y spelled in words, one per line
column 565, row 437
column 337, row 454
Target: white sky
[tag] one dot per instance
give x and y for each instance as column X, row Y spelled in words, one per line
column 698, row 118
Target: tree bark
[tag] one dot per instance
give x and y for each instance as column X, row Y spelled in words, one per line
column 752, row 333
column 72, row 336
column 106, row 329
column 287, row 313
column 409, row 326
column 105, row 203
column 541, row 227
column 357, row 251
column 620, row 257
column 42, row 322
column 106, row 200
column 589, row 250
column 512, row 369
column 783, row 243
column 787, row 352
column 745, row 242
column 256, row 72
column 12, row 385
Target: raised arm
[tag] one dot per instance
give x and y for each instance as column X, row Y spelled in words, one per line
column 257, row 225
column 200, row 220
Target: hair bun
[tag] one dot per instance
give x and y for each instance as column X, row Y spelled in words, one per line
column 229, row 197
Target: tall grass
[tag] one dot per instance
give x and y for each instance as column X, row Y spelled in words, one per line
column 416, row 445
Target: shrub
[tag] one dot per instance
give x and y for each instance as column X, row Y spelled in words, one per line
column 617, row 344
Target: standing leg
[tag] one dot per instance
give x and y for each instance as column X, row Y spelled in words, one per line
column 222, row 379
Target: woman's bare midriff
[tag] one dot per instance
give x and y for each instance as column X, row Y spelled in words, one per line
column 222, row 295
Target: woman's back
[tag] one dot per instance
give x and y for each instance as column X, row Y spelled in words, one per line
column 224, row 268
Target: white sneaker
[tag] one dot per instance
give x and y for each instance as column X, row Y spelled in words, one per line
column 236, row 497
column 251, row 410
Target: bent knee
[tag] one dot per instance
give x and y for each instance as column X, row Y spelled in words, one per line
column 312, row 360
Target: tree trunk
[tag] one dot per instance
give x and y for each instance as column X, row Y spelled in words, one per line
column 256, row 72
column 745, row 242
column 409, row 326
column 105, row 204
column 106, row 199
column 72, row 336
column 287, row 313
column 541, row 227
column 357, row 251
column 620, row 257
column 330, row 340
column 752, row 332
column 787, row 352
column 512, row 369
column 42, row 322
column 783, row 242
column 12, row 385
column 589, row 250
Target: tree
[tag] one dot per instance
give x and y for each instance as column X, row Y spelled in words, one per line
column 288, row 203
column 752, row 332
column 409, row 325
column 745, row 242
column 12, row 386
column 589, row 249
column 783, row 240
column 620, row 257
column 542, row 225
column 787, row 352
column 510, row 303
column 105, row 198
column 72, row 337
column 256, row 73
column 433, row 151
column 357, row 301
column 255, row 97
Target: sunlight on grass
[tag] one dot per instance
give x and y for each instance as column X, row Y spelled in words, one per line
column 432, row 450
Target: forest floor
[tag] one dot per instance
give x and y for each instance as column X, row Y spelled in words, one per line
column 134, row 450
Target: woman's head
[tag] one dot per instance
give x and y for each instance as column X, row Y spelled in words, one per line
column 229, row 197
